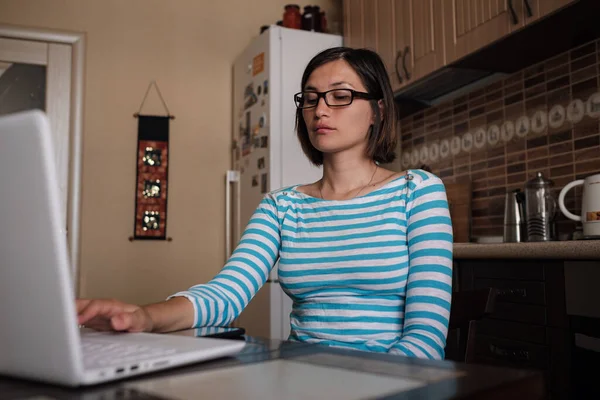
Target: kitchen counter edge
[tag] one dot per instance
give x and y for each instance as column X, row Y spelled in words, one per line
column 565, row 250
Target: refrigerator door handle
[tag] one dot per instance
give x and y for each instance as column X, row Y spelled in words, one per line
column 230, row 178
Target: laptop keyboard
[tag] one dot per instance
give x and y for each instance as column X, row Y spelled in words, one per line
column 103, row 353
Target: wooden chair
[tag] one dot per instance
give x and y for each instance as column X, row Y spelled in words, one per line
column 466, row 309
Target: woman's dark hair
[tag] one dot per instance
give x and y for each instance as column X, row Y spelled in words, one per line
column 367, row 64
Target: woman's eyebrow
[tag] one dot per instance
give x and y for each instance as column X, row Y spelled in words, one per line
column 309, row 87
column 341, row 83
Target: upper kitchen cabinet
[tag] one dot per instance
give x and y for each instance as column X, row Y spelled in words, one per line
column 433, row 47
column 354, row 16
column 427, row 50
column 531, row 10
column 371, row 24
column 546, row 7
column 403, row 62
column 407, row 34
column 473, row 24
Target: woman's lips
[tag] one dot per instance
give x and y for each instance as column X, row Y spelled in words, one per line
column 324, row 130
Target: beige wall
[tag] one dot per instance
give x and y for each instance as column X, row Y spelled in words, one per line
column 188, row 47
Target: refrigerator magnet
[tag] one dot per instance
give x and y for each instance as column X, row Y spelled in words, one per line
column 261, row 163
column 263, row 183
column 264, row 142
column 266, row 87
column 250, row 97
column 254, row 180
column 258, row 64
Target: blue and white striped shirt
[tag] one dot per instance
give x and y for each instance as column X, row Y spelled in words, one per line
column 371, row 273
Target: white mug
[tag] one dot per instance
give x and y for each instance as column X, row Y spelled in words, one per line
column 590, row 205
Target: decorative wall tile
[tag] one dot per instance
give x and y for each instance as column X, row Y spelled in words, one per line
column 543, row 118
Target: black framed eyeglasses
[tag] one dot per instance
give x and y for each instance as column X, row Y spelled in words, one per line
column 333, row 98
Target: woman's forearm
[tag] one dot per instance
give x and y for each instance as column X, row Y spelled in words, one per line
column 174, row 314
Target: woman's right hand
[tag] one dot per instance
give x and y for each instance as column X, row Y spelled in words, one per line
column 113, row 315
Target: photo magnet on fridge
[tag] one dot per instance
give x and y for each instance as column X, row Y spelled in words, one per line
column 264, row 142
column 263, row 183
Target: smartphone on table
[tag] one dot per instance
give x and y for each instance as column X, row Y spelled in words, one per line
column 222, row 332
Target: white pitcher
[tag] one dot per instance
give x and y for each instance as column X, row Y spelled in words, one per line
column 590, row 206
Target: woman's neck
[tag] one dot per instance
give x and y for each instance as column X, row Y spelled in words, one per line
column 344, row 175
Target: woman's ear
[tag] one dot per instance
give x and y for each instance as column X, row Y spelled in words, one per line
column 381, row 112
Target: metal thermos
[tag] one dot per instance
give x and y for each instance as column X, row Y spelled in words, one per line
column 541, row 209
column 514, row 217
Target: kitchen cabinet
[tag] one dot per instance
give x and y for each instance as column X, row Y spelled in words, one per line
column 529, row 326
column 546, row 7
column 353, row 23
column 529, row 11
column 386, row 26
column 373, row 24
column 473, row 24
column 418, row 37
column 402, row 66
column 407, row 34
column 396, row 69
column 426, row 52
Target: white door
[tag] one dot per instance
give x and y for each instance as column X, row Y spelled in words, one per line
column 37, row 75
column 41, row 68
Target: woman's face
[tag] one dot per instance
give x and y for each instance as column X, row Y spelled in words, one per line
column 335, row 129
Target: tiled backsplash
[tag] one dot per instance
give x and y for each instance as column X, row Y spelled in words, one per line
column 543, row 118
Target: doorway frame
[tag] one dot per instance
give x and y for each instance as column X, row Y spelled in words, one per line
column 77, row 42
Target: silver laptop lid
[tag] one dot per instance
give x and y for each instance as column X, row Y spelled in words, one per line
column 39, row 337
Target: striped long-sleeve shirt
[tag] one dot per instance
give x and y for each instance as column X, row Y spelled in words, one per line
column 371, row 273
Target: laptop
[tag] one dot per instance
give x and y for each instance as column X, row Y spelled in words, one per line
column 39, row 336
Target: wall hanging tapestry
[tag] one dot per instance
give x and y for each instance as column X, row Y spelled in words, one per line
column 152, row 178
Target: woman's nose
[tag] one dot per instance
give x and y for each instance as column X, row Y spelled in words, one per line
column 322, row 108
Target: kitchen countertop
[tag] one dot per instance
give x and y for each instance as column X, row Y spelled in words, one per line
column 567, row 250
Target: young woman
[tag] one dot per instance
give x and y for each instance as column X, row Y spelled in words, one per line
column 364, row 253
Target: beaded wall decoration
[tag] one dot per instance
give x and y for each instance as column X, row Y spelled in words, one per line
column 152, row 178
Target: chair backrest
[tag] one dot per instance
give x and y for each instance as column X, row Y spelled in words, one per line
column 471, row 305
column 466, row 309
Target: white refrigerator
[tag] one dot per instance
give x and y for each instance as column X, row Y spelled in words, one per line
column 266, row 153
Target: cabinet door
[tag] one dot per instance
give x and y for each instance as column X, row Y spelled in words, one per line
column 385, row 36
column 407, row 34
column 427, row 50
column 533, row 10
column 548, row 6
column 353, row 23
column 473, row 24
column 371, row 24
column 402, row 41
